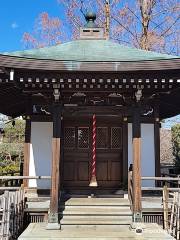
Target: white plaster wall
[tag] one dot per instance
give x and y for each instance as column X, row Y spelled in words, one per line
column 147, row 151
column 40, row 153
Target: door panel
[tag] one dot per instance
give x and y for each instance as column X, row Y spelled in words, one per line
column 69, row 168
column 102, row 171
column 77, row 157
column 115, row 169
column 83, row 171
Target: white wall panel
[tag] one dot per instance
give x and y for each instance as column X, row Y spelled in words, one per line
column 40, row 154
column 147, row 151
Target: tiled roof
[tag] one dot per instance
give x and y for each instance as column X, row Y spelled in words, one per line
column 91, row 50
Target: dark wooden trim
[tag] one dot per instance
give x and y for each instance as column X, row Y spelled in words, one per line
column 55, row 172
column 125, row 152
column 41, row 118
column 57, row 109
column 143, row 120
column 114, row 111
column 28, row 131
column 27, row 146
column 157, row 148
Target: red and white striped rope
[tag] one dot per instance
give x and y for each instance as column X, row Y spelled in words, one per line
column 94, row 146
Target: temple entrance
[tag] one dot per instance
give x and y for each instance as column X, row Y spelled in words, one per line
column 77, row 157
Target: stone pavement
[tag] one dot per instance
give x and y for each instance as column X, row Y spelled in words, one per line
column 37, row 231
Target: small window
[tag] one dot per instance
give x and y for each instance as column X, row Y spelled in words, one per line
column 116, row 138
column 69, row 137
column 83, row 137
column 102, row 138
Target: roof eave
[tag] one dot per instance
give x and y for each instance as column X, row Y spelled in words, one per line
column 15, row 62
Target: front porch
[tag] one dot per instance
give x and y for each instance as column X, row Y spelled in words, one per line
column 94, row 218
column 38, row 231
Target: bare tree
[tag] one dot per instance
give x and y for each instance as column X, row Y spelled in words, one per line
column 146, row 24
column 47, row 32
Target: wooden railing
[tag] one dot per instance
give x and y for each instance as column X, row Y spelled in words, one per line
column 20, row 179
column 11, row 213
column 12, row 205
column 171, row 200
column 12, row 182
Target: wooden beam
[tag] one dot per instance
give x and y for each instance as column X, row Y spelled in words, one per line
column 53, row 221
column 136, row 129
column 125, row 151
column 27, row 145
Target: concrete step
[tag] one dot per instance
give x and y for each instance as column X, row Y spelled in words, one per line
column 98, row 211
column 96, row 217
column 97, row 202
column 38, row 199
column 95, row 207
column 97, row 222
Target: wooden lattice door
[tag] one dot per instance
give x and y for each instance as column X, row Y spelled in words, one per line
column 78, row 153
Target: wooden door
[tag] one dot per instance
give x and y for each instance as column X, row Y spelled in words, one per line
column 78, row 153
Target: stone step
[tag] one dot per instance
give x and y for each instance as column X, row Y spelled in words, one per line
column 97, row 222
column 98, row 211
column 97, row 202
column 38, row 199
column 93, row 217
column 95, row 208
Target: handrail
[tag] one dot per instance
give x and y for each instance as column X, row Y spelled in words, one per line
column 24, row 177
column 9, row 188
column 158, row 189
column 161, row 178
column 16, row 181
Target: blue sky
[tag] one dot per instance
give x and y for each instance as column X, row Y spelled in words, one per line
column 18, row 16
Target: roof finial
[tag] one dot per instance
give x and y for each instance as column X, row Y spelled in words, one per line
column 90, row 18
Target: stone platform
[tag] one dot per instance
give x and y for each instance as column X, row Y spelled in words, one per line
column 37, row 231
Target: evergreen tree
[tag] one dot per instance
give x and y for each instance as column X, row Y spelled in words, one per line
column 176, row 146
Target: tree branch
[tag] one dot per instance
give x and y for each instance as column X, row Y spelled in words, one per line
column 128, row 30
column 170, row 27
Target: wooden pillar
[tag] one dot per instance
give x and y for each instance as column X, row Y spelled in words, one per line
column 27, row 144
column 125, row 150
column 53, row 221
column 136, row 133
column 157, row 143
